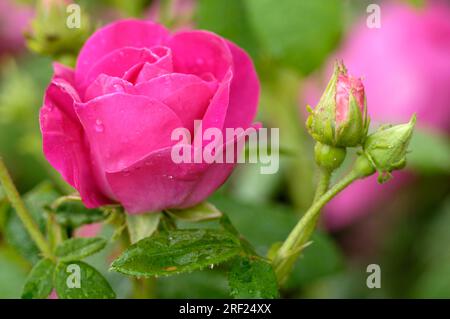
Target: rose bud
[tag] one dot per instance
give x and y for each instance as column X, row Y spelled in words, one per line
column 386, row 148
column 107, row 125
column 58, row 30
column 340, row 118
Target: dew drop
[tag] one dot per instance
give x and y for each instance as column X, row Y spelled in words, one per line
column 99, row 126
column 118, row 88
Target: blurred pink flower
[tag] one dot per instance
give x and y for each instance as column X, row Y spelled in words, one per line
column 89, row 230
column 14, row 19
column 405, row 66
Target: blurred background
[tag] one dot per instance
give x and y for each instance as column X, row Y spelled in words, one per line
column 401, row 49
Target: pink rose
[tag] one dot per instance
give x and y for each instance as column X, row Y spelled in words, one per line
column 14, row 19
column 107, row 124
column 405, row 66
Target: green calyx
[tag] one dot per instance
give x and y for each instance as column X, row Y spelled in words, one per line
column 387, row 148
column 329, row 157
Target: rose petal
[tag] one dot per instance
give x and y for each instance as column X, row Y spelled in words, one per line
column 123, row 128
column 117, row 63
column 157, row 182
column 154, row 183
column 64, row 143
column 162, row 65
column 216, row 113
column 125, row 33
column 105, row 84
column 187, row 95
column 216, row 174
column 200, row 52
column 244, row 91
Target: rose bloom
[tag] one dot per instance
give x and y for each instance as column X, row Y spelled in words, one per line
column 107, row 124
column 405, row 66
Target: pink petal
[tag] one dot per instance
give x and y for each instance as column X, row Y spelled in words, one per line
column 187, row 95
column 64, row 142
column 154, row 183
column 124, row 33
column 216, row 113
column 64, row 72
column 123, row 128
column 244, row 92
column 200, row 52
column 89, row 230
column 105, row 84
column 216, row 173
column 162, row 65
column 117, row 62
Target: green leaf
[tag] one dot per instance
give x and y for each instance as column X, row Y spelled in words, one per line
column 16, row 235
column 261, row 225
column 228, row 18
column 177, row 251
column 298, row 33
column 78, row 248
column 142, row 225
column 78, row 280
column 71, row 212
column 200, row 212
column 430, row 153
column 39, row 283
column 252, row 277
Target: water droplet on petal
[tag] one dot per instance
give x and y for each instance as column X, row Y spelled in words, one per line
column 118, row 88
column 99, row 126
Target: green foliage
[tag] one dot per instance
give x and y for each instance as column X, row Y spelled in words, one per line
column 71, row 212
column 176, row 251
column 79, row 248
column 320, row 259
column 252, row 277
column 228, row 18
column 39, row 283
column 200, row 212
column 142, row 225
column 298, row 33
column 36, row 201
column 431, row 153
column 13, row 273
column 92, row 285
column 433, row 280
